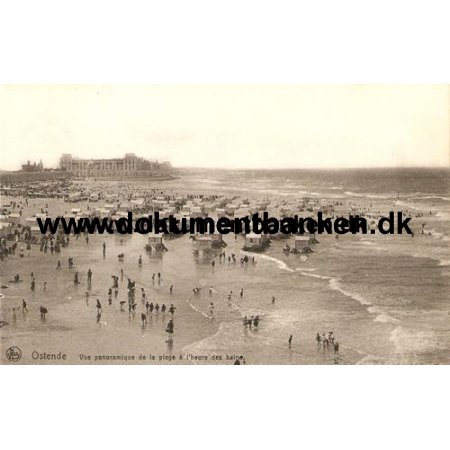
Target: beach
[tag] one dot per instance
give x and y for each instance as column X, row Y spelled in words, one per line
column 384, row 297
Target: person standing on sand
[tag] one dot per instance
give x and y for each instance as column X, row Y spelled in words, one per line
column 24, row 306
column 43, row 312
column 170, row 328
column 318, row 339
column 336, row 348
column 89, row 277
column 290, row 341
column 58, row 265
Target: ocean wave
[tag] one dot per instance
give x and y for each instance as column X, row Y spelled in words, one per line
column 194, row 308
column 366, row 195
column 281, row 264
column 443, row 215
column 431, row 197
column 412, row 342
column 336, row 284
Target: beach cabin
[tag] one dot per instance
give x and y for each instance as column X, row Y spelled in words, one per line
column 138, row 203
column 5, row 229
column 159, row 205
column 155, row 243
column 203, row 243
column 30, row 221
column 231, row 208
column 220, row 212
column 252, row 239
column 256, row 242
column 301, row 243
column 217, row 240
column 35, row 232
column 327, row 209
column 14, row 218
column 196, row 211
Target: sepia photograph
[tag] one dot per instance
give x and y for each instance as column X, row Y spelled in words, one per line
column 79, row 161
column 186, row 187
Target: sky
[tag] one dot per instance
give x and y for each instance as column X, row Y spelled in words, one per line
column 228, row 126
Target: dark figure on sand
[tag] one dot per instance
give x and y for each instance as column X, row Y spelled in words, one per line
column 170, row 328
column 43, row 312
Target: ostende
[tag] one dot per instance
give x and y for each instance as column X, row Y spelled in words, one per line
column 45, row 355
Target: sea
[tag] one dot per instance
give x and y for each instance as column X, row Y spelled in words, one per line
column 386, row 298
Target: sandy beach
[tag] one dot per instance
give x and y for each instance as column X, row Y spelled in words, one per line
column 370, row 291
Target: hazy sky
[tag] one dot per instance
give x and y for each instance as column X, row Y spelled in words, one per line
column 228, row 126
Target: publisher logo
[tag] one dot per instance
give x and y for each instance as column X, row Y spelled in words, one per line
column 13, row 354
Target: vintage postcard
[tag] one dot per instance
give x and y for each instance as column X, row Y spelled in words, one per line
column 224, row 224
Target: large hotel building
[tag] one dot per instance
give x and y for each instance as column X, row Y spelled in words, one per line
column 127, row 167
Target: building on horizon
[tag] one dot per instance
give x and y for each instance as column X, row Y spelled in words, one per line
column 131, row 166
column 28, row 167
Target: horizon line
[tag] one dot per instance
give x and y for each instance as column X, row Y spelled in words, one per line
column 284, row 168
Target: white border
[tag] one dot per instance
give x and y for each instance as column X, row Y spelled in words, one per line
column 226, row 42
